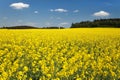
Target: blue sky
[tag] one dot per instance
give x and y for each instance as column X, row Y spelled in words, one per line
column 42, row 13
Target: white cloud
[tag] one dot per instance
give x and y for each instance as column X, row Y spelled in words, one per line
column 76, row 11
column 58, row 10
column 19, row 5
column 101, row 14
column 36, row 12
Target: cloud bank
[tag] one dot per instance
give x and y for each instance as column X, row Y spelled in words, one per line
column 19, row 5
column 58, row 10
column 101, row 14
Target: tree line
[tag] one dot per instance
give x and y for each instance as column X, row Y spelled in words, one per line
column 30, row 27
column 107, row 23
column 19, row 27
column 112, row 22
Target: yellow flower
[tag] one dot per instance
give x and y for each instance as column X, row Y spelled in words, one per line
column 57, row 54
column 30, row 78
column 25, row 68
column 48, row 75
column 20, row 75
column 78, row 79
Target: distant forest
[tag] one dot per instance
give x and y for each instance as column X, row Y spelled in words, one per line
column 30, row 27
column 114, row 23
column 20, row 27
column 103, row 23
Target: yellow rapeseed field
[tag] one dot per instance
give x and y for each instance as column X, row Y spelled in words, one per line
column 60, row 54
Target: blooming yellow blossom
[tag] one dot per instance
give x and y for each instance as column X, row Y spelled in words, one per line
column 67, row 54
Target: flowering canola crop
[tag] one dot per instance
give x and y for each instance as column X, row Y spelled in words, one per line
column 65, row 54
